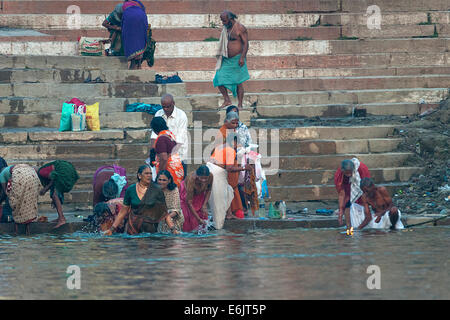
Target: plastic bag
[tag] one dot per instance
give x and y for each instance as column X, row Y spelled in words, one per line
column 92, row 117
column 65, row 124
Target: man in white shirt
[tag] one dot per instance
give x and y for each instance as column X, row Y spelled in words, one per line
column 177, row 122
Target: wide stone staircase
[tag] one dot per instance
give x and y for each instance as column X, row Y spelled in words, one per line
column 312, row 64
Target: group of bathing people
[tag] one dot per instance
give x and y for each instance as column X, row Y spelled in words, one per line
column 164, row 199
column 131, row 36
column 167, row 200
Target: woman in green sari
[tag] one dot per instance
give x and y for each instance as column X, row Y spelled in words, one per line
column 144, row 204
column 59, row 177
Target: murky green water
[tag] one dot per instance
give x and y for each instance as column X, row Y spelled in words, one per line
column 262, row 264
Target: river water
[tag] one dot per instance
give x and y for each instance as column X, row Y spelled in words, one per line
column 258, row 264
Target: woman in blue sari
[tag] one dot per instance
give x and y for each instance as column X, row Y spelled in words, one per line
column 136, row 34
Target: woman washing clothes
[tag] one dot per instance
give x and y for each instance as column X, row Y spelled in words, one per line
column 59, row 177
column 104, row 177
column 228, row 130
column 175, row 220
column 195, row 192
column 20, row 184
column 144, row 204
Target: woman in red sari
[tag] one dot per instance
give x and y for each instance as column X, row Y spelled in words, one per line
column 166, row 148
column 195, row 191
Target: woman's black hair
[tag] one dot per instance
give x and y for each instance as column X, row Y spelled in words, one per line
column 110, row 190
column 171, row 186
column 141, row 169
column 202, row 171
column 158, row 124
column 230, row 108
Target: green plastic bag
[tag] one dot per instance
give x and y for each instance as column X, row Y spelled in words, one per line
column 65, row 124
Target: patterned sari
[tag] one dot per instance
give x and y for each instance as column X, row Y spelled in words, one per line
column 174, row 165
column 23, row 193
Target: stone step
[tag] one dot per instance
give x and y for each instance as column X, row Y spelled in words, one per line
column 337, row 110
column 163, row 21
column 211, row 21
column 148, row 75
column 109, row 120
column 397, row 6
column 320, row 192
column 173, row 7
column 273, row 20
column 18, row 105
column 318, row 73
column 411, row 95
column 52, row 135
column 313, row 64
column 63, row 62
column 199, row 33
column 391, row 31
column 380, row 160
column 116, row 119
column 38, row 46
column 329, row 83
column 138, row 90
column 119, row 150
column 91, row 90
column 320, row 177
column 387, row 18
column 294, row 177
column 75, row 76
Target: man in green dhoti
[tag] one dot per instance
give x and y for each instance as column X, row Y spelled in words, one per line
column 231, row 68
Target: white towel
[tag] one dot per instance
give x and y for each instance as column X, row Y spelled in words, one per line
column 355, row 181
column 223, row 48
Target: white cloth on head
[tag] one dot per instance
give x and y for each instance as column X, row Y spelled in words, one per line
column 355, row 180
column 222, row 51
column 357, row 217
column 222, row 194
column 177, row 124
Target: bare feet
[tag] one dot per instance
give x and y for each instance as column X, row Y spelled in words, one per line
column 60, row 223
column 225, row 104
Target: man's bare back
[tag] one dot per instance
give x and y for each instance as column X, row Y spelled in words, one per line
column 380, row 201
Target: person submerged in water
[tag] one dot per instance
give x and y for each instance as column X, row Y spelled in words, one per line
column 386, row 213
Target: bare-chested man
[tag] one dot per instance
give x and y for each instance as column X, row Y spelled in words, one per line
column 386, row 214
column 231, row 71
